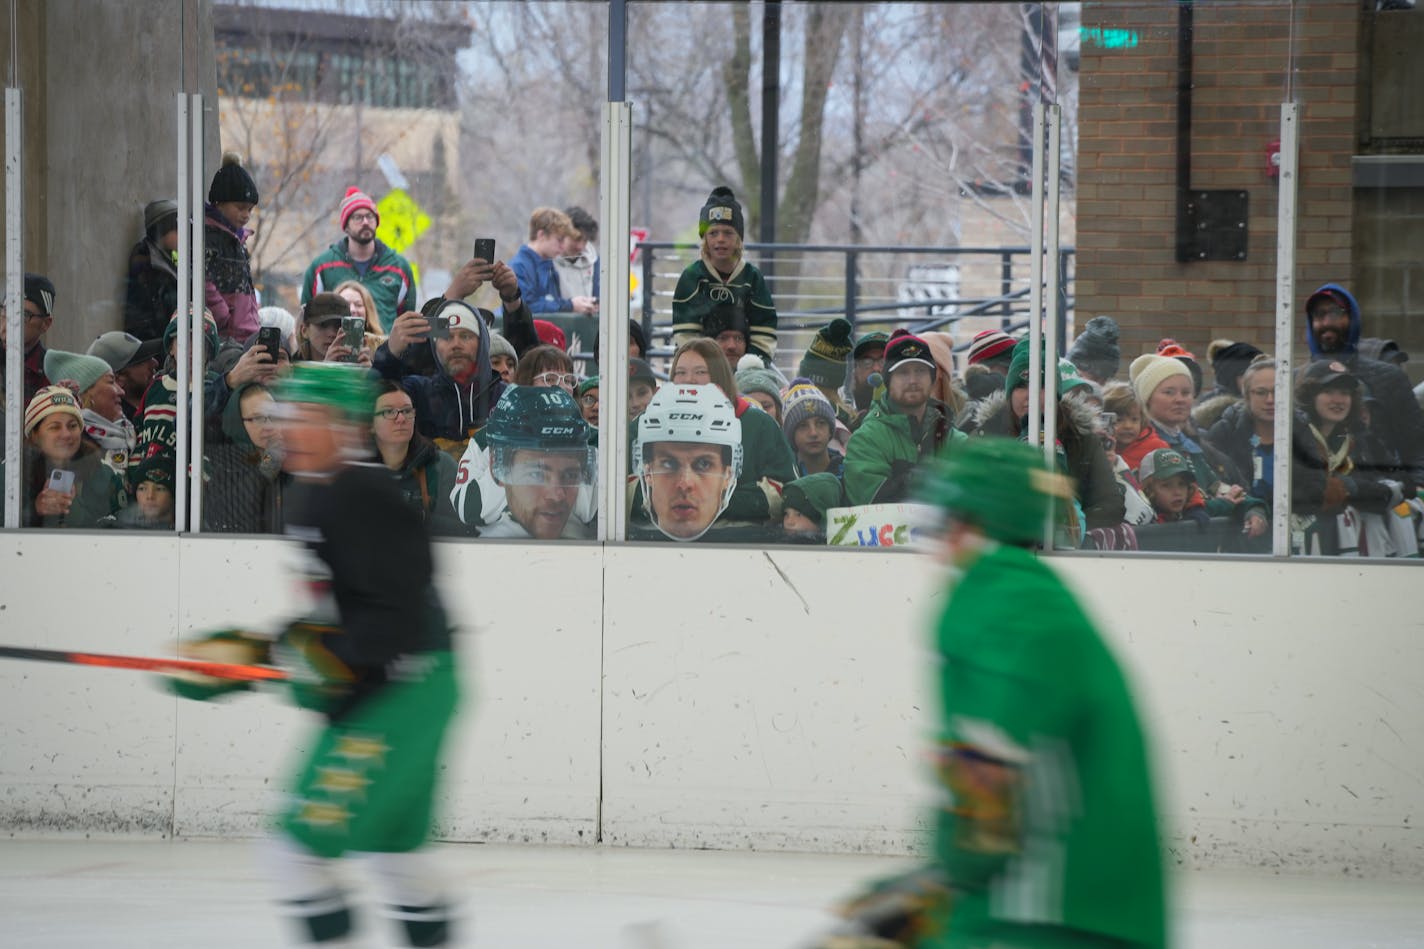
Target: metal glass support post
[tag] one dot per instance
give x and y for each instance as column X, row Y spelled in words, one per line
column 1285, row 319
column 14, row 300
column 613, row 314
column 185, row 251
column 1035, row 281
column 1050, row 285
column 197, row 350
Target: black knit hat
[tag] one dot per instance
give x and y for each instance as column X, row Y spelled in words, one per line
column 721, row 208
column 1229, row 360
column 724, row 317
column 1096, row 351
column 231, row 182
column 825, row 360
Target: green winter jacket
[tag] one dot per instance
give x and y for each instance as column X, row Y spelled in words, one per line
column 1064, row 843
column 886, row 447
column 388, row 277
column 701, row 289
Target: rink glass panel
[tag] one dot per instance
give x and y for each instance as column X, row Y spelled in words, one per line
column 922, row 155
column 97, row 140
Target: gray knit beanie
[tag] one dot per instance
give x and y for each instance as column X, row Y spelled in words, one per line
column 1095, row 351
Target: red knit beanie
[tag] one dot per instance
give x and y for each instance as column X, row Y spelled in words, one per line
column 355, row 200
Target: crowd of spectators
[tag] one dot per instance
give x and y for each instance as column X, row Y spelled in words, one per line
column 495, row 433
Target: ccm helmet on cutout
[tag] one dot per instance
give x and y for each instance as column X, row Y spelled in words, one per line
column 536, row 418
column 687, row 413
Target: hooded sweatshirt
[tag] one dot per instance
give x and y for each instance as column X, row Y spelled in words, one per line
column 1400, row 422
column 245, row 484
column 447, row 411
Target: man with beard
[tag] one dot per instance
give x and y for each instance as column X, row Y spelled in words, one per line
column 1332, row 331
column 867, row 359
column 539, row 454
column 903, row 428
column 453, row 402
column 359, row 256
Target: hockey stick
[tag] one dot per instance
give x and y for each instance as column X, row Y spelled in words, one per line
column 218, row 670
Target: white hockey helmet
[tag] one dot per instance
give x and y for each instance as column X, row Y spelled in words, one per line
column 699, row 414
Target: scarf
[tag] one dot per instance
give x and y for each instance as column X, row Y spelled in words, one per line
column 1336, row 462
column 116, row 439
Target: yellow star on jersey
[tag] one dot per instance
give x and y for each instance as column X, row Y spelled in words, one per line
column 341, row 781
column 361, row 748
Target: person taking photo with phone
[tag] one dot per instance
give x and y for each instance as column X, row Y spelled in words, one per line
column 65, row 480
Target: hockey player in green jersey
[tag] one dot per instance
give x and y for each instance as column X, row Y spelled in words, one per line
column 371, row 653
column 1047, row 835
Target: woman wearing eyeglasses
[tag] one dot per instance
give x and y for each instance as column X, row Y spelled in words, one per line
column 424, row 473
column 243, row 494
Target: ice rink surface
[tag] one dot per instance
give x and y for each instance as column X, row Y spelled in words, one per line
column 212, row 894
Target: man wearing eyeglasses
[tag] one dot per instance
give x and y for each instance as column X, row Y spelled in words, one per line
column 39, row 308
column 361, row 257
column 1332, row 331
column 537, row 455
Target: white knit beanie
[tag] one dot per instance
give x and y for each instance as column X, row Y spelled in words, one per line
column 1150, row 371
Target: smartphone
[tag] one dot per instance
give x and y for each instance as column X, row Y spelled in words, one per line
column 270, row 338
column 484, row 249
column 62, row 481
column 439, row 326
column 353, row 332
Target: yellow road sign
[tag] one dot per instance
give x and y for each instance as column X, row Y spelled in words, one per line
column 402, row 220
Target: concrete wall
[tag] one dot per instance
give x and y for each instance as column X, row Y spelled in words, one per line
column 100, row 81
column 729, row 698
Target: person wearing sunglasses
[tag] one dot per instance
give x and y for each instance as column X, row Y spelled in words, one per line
column 424, row 473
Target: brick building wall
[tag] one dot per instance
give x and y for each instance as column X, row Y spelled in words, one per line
column 1126, row 195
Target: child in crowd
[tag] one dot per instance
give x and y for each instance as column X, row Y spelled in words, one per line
column 720, row 277
column 809, row 423
column 642, row 383
column 1135, row 438
column 503, row 359
column 228, row 290
column 1119, row 402
column 153, row 493
column 804, row 503
column 1169, row 484
column 586, row 395
column 762, row 385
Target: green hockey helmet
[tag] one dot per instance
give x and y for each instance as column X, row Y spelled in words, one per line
column 536, row 418
column 346, row 387
column 1001, row 485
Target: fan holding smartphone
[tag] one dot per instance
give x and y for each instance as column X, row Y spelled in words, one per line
column 68, row 483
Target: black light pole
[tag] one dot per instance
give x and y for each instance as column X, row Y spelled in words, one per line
column 770, row 121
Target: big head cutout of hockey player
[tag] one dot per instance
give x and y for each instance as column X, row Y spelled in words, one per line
column 689, row 456
column 540, row 454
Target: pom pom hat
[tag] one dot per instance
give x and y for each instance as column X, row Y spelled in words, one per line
column 357, row 200
column 721, row 208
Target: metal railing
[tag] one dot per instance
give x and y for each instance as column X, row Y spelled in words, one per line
column 925, row 288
